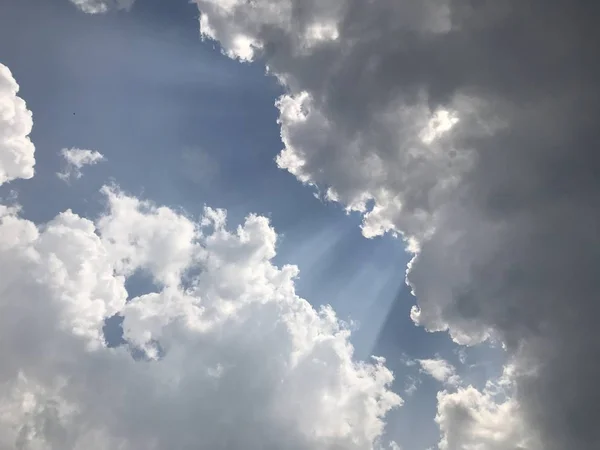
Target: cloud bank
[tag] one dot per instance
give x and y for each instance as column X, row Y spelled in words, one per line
column 221, row 354
column 470, row 129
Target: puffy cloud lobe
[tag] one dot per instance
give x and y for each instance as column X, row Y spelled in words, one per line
column 490, row 418
column 16, row 149
column 441, row 370
column 470, row 419
column 155, row 239
column 102, row 6
column 234, row 358
column 76, row 159
column 469, row 128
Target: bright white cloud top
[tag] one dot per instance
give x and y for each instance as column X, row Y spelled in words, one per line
column 76, row 159
column 232, row 357
column 16, row 149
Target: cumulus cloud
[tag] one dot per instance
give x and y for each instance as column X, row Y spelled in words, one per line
column 243, row 361
column 76, row 159
column 489, row 419
column 232, row 357
column 470, row 129
column 441, row 370
column 16, row 149
column 102, row 6
column 221, row 354
column 470, row 419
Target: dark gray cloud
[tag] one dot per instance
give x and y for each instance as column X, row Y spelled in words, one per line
column 503, row 204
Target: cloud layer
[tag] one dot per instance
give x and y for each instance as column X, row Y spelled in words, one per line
column 471, row 130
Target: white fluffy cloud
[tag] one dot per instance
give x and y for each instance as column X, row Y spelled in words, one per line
column 472, row 420
column 102, row 6
column 441, row 370
column 469, row 128
column 234, row 358
column 76, row 159
column 16, row 149
column 221, row 354
column 490, row 419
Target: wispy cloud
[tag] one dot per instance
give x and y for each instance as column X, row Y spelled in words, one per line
column 76, row 159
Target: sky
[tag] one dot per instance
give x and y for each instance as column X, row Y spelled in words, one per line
column 291, row 224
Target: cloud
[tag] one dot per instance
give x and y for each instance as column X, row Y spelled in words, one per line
column 224, row 354
column 243, row 361
column 470, row 419
column 441, row 370
column 76, row 159
column 471, row 130
column 16, row 149
column 102, row 6
column 489, row 419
